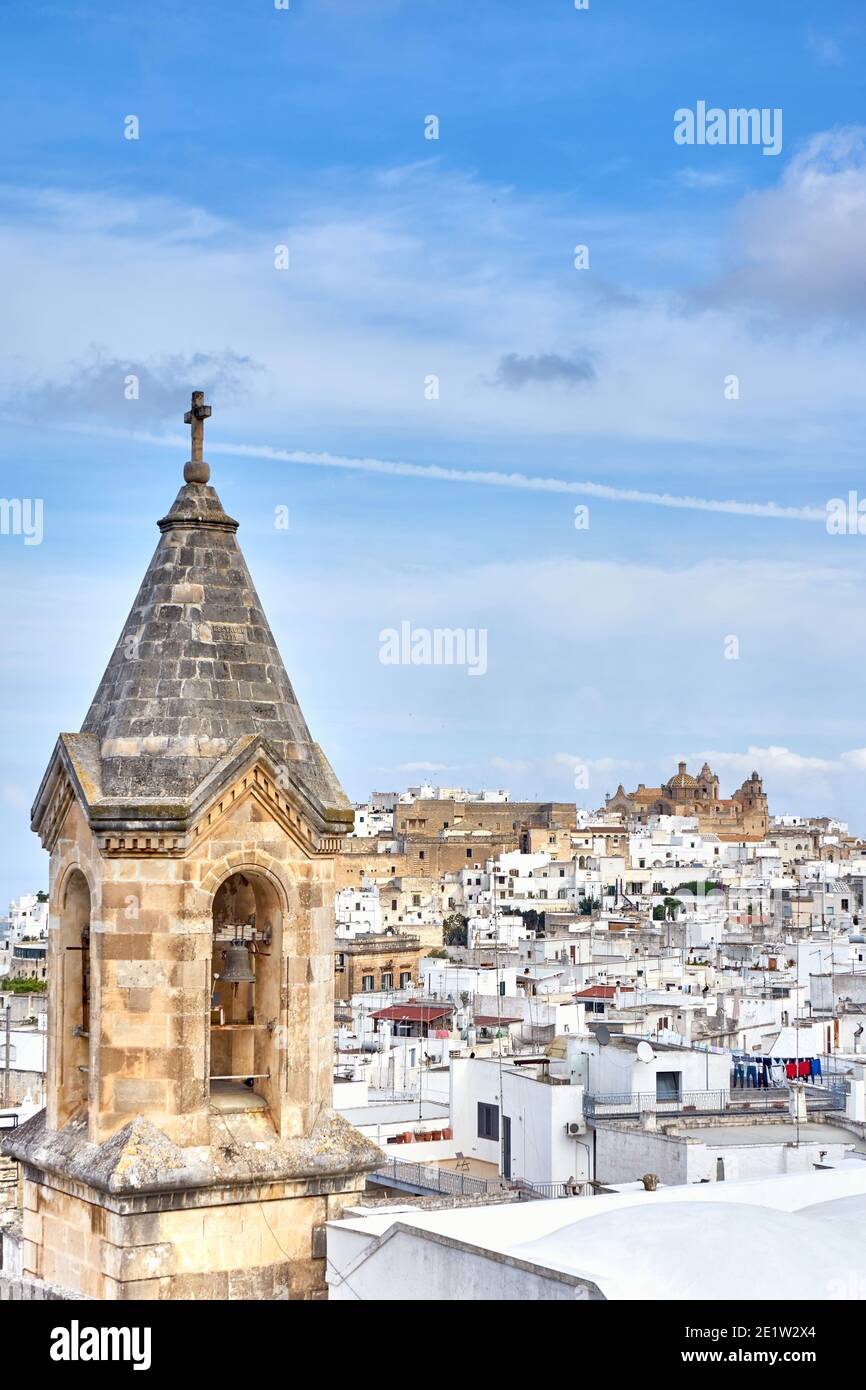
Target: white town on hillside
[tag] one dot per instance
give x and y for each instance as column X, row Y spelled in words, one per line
column 544, row 1016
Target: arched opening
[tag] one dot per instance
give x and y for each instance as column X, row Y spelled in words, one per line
column 245, row 995
column 72, row 997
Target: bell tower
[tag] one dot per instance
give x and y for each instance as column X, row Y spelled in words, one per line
column 188, row 1148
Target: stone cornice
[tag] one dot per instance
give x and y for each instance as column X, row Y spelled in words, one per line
column 153, row 827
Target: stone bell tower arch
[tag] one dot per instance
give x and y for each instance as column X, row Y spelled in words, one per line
column 188, row 1148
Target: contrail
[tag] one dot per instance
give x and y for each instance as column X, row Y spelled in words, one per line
column 487, row 478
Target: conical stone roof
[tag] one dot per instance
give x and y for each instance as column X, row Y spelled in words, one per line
column 196, row 667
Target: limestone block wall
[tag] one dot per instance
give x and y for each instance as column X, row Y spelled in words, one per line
column 8, row 1184
column 151, row 945
column 228, row 1243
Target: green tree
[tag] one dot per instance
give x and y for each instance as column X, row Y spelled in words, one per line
column 23, row 986
column 697, row 888
column 454, row 932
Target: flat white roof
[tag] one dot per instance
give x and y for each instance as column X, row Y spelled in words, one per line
column 719, row 1136
column 401, row 1112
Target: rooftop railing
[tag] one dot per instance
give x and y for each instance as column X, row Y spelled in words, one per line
column 426, row 1180
column 746, row 1100
column 544, row 1190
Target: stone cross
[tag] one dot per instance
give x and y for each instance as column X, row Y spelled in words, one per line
column 197, row 471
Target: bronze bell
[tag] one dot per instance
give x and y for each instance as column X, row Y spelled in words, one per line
column 237, row 967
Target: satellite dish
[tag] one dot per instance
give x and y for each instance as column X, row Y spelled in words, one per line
column 645, row 1052
column 602, row 1034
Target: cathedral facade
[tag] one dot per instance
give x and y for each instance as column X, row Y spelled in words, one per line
column 743, row 816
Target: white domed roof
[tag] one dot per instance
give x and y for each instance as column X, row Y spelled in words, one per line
column 686, row 1250
column 844, row 1211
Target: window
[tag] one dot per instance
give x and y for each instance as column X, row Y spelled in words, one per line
column 341, row 961
column 469, row 854
column 421, row 853
column 669, row 1085
column 366, row 983
column 387, row 979
column 393, row 904
column 488, row 1121
column 405, row 979
column 416, row 899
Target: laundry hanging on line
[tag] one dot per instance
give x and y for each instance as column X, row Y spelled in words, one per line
column 763, row 1073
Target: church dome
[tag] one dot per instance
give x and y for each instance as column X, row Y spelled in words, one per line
column 682, row 779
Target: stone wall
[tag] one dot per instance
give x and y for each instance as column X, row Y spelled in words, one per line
column 24, row 1085
column 223, row 1244
column 8, row 1184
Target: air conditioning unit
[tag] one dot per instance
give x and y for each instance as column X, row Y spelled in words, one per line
column 575, row 1128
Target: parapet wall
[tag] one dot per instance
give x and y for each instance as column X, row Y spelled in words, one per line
column 14, row 1290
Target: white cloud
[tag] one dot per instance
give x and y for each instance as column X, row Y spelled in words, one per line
column 704, row 178
column 797, row 783
column 422, row 767
column 802, row 243
column 561, row 768
column 773, row 759
column 513, row 767
column 433, row 272
column 828, row 50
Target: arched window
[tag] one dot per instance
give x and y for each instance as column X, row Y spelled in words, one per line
column 69, row 1000
column 245, row 1056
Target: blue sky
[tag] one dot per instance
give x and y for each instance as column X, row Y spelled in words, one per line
column 409, row 258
